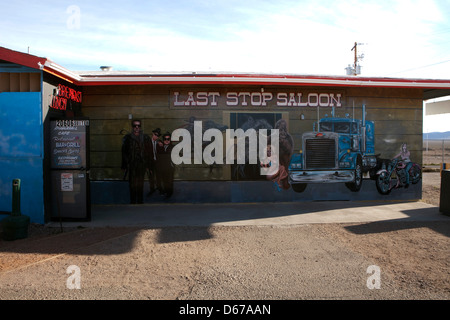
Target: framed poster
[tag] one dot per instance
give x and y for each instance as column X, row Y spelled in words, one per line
column 68, row 144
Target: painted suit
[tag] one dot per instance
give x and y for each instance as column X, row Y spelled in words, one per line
column 165, row 169
column 135, row 152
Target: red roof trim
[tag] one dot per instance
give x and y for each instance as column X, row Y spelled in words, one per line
column 212, row 79
column 187, row 82
column 23, row 59
column 265, row 80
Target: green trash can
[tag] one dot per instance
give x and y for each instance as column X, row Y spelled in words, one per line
column 16, row 225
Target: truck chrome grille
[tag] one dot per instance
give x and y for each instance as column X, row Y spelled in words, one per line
column 320, row 153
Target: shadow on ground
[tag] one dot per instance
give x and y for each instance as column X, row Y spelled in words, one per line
column 74, row 240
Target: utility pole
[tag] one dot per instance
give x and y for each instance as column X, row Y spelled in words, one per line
column 356, row 58
column 356, row 69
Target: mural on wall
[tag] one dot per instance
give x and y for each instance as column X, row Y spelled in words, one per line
column 338, row 150
column 286, row 149
column 243, row 146
column 343, row 150
column 244, row 121
column 205, row 125
column 397, row 173
column 335, row 150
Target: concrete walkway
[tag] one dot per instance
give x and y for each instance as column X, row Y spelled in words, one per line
column 241, row 214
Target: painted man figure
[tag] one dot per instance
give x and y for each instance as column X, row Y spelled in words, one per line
column 135, row 153
column 153, row 156
column 165, row 167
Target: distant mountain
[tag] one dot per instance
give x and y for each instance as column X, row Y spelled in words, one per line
column 437, row 135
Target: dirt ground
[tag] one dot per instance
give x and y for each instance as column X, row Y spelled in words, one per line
column 317, row 261
column 431, row 188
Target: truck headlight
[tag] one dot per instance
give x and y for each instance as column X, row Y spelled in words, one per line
column 355, row 144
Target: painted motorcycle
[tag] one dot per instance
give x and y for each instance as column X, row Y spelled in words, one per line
column 393, row 175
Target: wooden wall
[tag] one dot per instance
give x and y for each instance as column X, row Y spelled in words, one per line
column 20, row 82
column 397, row 114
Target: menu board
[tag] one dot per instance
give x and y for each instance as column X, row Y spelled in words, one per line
column 68, row 144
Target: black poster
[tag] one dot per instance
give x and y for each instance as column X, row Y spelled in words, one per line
column 68, row 144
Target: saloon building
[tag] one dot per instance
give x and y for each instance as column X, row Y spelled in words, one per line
column 61, row 133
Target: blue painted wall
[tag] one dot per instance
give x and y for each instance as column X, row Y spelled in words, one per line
column 21, row 152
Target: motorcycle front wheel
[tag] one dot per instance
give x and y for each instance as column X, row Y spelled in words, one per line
column 383, row 183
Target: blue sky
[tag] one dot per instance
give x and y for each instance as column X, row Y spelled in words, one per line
column 399, row 38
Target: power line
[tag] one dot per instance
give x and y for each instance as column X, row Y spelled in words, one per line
column 422, row 67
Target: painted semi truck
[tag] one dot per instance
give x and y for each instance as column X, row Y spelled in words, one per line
column 337, row 150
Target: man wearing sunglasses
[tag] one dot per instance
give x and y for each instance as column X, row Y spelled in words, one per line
column 135, row 153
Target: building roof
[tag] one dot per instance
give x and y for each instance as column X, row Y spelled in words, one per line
column 432, row 87
column 437, row 107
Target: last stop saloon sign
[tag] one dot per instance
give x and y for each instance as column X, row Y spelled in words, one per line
column 256, row 98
